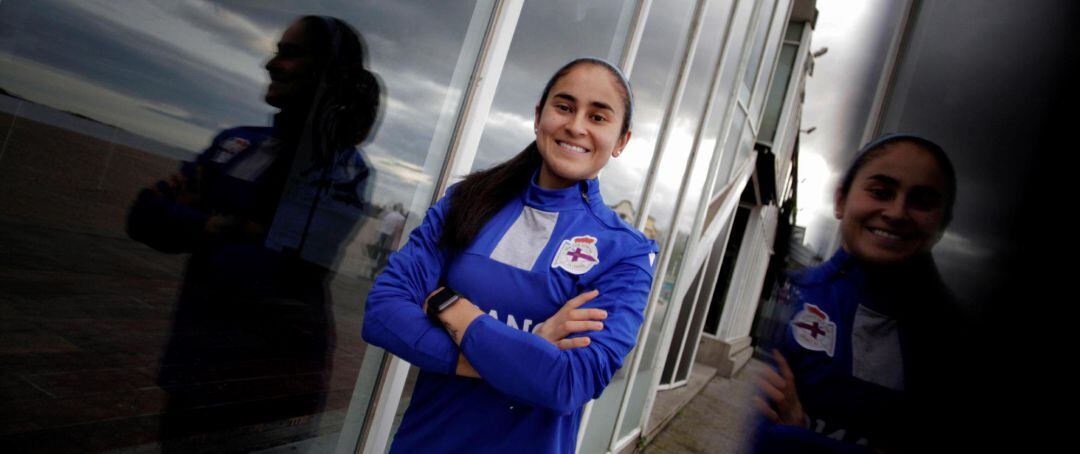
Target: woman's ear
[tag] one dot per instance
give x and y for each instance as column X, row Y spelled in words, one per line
column 621, row 145
column 536, row 119
column 838, row 204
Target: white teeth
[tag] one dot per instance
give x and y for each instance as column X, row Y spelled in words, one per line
column 885, row 234
column 573, row 148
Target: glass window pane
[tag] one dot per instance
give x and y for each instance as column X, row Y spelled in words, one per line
column 781, row 80
column 794, row 32
column 732, row 55
column 727, row 269
column 548, row 35
column 227, row 323
column 679, row 331
column 701, row 309
column 652, row 77
column 772, row 46
column 757, row 46
column 723, row 169
column 746, row 146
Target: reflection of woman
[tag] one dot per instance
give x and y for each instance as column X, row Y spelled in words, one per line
column 508, row 246
column 854, row 360
column 251, row 210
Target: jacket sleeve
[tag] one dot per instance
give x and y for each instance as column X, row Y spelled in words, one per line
column 394, row 318
column 527, row 367
column 158, row 220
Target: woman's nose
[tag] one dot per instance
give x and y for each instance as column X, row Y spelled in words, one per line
column 897, row 210
column 576, row 125
column 271, row 64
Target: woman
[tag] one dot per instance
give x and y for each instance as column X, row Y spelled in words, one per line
column 855, row 359
column 502, row 251
column 262, row 212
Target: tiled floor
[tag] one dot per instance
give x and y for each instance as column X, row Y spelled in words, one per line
column 717, row 420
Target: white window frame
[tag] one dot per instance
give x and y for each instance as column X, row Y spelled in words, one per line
column 480, row 94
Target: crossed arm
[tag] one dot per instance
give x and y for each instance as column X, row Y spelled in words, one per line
column 556, row 368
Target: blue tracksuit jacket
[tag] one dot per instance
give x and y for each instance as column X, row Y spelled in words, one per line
column 852, row 343
column 539, row 251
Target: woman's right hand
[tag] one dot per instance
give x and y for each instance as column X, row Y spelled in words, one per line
column 570, row 319
column 779, row 387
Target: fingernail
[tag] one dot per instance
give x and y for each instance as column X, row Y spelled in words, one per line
column 603, row 313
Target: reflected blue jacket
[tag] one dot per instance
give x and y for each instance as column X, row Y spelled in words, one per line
column 539, row 251
column 245, row 175
column 850, row 343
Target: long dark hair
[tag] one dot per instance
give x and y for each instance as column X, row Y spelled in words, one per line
column 483, row 193
column 347, row 99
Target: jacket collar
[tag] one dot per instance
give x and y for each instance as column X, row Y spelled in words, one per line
column 579, row 195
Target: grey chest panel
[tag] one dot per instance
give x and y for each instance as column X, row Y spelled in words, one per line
column 524, row 241
column 253, row 166
column 875, row 349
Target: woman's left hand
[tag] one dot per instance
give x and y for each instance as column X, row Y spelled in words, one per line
column 569, row 320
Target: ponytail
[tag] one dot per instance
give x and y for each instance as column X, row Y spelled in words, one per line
column 483, row 193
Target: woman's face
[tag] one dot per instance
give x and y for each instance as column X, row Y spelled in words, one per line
column 292, row 69
column 579, row 126
column 895, row 207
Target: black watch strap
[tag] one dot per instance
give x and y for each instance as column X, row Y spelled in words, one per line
column 439, row 302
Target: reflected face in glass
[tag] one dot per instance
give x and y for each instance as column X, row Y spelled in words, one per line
column 579, row 126
column 292, row 69
column 895, row 208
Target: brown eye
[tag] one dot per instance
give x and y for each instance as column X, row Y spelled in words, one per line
column 880, row 193
column 924, row 200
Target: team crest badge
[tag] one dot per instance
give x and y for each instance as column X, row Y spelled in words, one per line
column 577, row 255
column 813, row 330
column 229, row 148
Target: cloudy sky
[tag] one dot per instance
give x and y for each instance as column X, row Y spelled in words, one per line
column 180, row 71
column 838, row 101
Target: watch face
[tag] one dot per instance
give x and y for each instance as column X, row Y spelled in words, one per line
column 448, row 302
column 441, row 300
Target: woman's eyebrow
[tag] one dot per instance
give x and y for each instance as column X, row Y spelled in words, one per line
column 571, row 98
column 601, row 105
column 283, row 46
column 565, row 96
column 884, row 179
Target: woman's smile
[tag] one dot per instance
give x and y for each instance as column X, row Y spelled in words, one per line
column 571, row 147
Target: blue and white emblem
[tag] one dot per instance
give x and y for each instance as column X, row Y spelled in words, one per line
column 577, row 255
column 229, row 148
column 813, row 330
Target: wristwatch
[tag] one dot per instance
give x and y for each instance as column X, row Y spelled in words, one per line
column 439, row 302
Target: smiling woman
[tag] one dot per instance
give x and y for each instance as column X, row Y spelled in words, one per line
column 852, row 363
column 525, row 241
